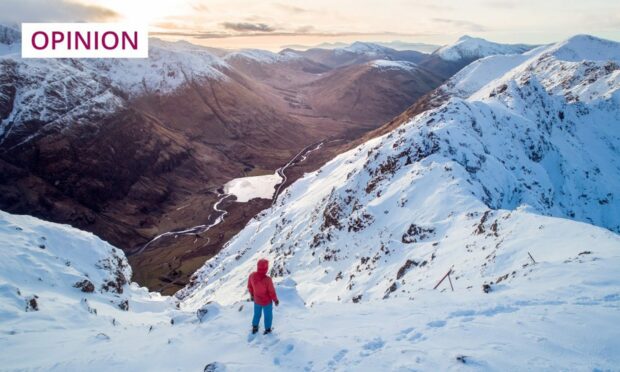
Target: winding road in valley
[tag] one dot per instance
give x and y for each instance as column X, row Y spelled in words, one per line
column 221, row 213
column 302, row 156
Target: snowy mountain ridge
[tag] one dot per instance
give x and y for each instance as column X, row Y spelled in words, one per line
column 393, row 65
column 468, row 47
column 61, row 92
column 360, row 47
column 262, row 56
column 458, row 185
column 506, row 189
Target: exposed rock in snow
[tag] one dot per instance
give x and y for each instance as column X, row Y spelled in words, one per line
column 52, row 269
column 9, row 40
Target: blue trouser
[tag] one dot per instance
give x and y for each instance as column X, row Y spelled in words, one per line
column 267, row 310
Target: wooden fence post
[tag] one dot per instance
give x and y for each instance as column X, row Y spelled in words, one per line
column 444, row 277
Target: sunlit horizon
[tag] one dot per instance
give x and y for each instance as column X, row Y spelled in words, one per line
column 274, row 25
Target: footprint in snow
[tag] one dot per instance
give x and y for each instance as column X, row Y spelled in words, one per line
column 268, row 341
column 337, row 358
column 404, row 333
column 460, row 313
column 416, row 337
column 436, row 323
column 372, row 346
column 285, row 351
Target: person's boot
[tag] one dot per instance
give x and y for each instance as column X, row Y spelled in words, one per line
column 254, row 329
column 267, row 331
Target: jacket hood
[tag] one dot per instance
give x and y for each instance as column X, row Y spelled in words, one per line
column 262, row 266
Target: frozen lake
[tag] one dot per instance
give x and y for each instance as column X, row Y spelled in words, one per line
column 247, row 188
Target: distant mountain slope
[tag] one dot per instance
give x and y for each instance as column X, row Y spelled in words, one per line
column 371, row 92
column 467, row 47
column 130, row 149
column 359, row 52
column 448, row 59
column 397, row 44
column 466, row 185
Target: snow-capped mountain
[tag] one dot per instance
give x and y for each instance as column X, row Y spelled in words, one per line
column 131, row 149
column 262, row 56
column 359, row 47
column 360, row 52
column 170, row 64
column 449, row 59
column 392, row 65
column 63, row 91
column 108, row 145
column 35, row 93
column 467, row 47
column 493, row 173
column 493, row 213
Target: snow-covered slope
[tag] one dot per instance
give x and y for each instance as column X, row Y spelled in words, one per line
column 360, row 47
column 470, row 48
column 557, row 313
column 55, row 275
column 170, row 64
column 384, row 64
column 9, row 40
column 262, row 56
column 34, row 92
column 510, row 186
column 469, row 184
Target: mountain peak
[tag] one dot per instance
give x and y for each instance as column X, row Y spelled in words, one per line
column 467, row 47
column 466, row 37
column 587, row 47
column 365, row 47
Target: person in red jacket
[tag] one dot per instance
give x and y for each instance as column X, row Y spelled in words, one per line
column 262, row 293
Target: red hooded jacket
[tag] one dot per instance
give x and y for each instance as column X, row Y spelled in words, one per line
column 260, row 285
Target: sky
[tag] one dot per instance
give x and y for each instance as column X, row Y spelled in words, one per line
column 267, row 24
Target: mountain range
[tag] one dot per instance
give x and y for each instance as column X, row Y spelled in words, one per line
column 479, row 229
column 132, row 149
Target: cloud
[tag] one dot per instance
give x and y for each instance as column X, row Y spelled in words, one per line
column 500, row 4
column 200, row 7
column 246, row 26
column 18, row 11
column 223, row 35
column 293, row 9
column 465, row 25
column 305, row 29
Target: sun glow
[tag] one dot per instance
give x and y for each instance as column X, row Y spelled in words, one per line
column 272, row 24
